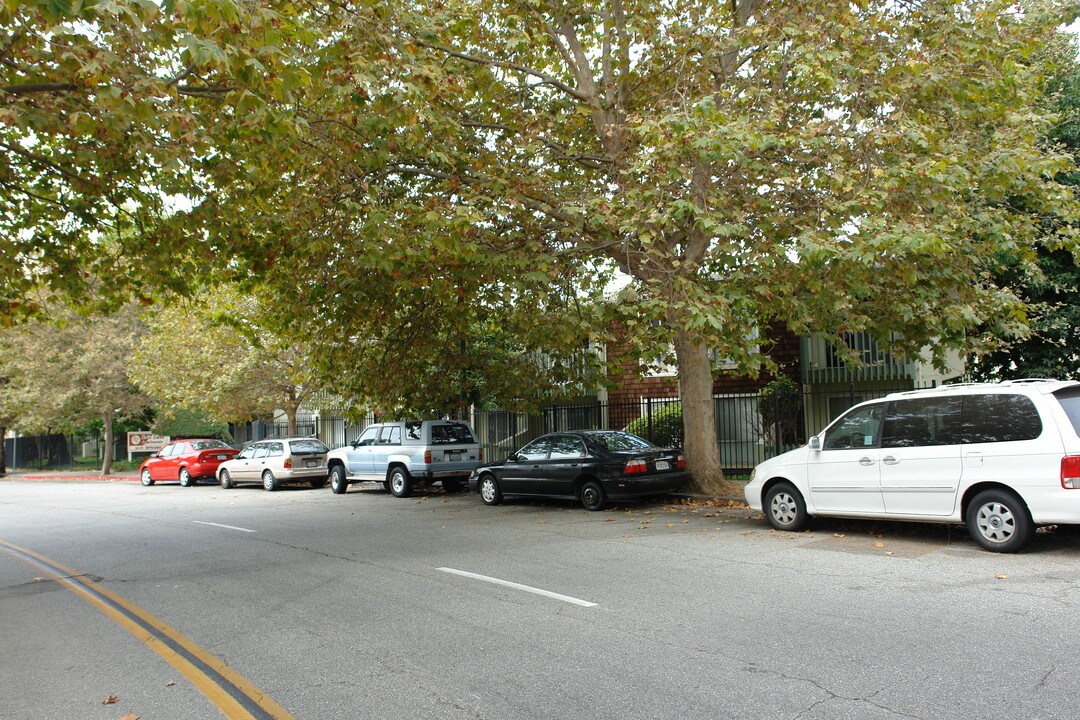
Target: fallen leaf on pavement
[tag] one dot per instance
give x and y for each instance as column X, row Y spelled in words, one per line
column 130, row 716
column 748, row 532
column 1000, row 576
column 879, row 544
column 838, row 535
column 110, row 700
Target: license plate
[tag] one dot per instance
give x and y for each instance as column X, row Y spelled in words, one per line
column 222, row 457
column 663, row 465
column 311, row 463
column 453, row 454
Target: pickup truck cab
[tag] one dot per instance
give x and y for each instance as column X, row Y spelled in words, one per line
column 407, row 455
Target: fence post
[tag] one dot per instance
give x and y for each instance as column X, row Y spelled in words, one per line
column 776, row 420
column 851, row 396
column 648, row 415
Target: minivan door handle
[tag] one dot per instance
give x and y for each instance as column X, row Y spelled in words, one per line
column 890, row 460
column 866, row 461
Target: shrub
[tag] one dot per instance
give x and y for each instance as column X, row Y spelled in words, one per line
column 667, row 426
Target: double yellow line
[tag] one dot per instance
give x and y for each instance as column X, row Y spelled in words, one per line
column 233, row 695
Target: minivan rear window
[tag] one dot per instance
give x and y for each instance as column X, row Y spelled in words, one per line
column 1070, row 403
column 1000, row 418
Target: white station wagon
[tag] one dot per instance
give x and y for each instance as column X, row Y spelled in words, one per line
column 1003, row 458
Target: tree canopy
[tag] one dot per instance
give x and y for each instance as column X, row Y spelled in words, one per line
column 397, row 175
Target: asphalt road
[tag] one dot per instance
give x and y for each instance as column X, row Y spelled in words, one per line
column 368, row 606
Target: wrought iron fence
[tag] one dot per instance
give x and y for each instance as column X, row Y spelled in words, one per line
column 748, row 428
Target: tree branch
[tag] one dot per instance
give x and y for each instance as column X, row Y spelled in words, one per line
column 491, row 62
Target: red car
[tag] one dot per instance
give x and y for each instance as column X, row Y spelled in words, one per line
column 187, row 461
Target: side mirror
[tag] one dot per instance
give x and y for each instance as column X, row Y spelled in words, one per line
column 815, row 443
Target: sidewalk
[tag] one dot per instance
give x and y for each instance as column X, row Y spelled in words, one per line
column 79, row 475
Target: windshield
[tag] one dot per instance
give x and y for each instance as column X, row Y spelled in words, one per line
column 620, row 441
column 209, row 445
column 307, row 447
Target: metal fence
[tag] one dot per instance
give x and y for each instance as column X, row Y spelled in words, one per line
column 748, row 428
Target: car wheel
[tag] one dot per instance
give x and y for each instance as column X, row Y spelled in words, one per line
column 146, row 479
column 785, row 508
column 490, row 492
column 592, row 496
column 400, row 483
column 226, row 480
column 318, row 482
column 338, row 483
column 269, row 481
column 999, row 521
column 451, row 486
column 185, row 478
column 385, row 485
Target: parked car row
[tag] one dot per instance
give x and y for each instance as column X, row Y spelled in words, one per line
column 1002, row 458
column 592, row 466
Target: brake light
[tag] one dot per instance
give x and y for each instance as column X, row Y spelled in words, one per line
column 635, row 467
column 288, row 463
column 1070, row 472
column 481, row 454
column 680, row 463
column 427, row 457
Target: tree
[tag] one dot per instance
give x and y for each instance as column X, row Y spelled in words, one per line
column 71, row 370
column 107, row 110
column 850, row 169
column 1049, row 286
column 213, row 353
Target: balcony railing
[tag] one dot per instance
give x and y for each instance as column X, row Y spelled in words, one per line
column 823, row 363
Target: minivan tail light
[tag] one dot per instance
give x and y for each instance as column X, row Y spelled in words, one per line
column 427, row 457
column 288, row 463
column 636, row 467
column 1070, row 472
column 481, row 454
column 680, row 463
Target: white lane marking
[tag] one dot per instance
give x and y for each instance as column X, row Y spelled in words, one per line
column 227, row 527
column 518, row 586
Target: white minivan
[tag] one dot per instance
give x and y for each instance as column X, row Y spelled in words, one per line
column 1003, row 458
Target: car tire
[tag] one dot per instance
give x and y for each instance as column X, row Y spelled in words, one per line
column 400, row 483
column 385, row 485
column 451, row 486
column 490, row 492
column 785, row 508
column 269, row 481
column 592, row 496
column 185, row 478
column 145, row 477
column 226, row 480
column 998, row 521
column 338, row 483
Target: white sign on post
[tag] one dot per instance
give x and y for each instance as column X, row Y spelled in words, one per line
column 145, row 442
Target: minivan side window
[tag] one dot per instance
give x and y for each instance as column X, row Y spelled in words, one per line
column 920, row 422
column 1000, row 418
column 860, row 428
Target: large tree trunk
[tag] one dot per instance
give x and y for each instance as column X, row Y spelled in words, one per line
column 699, row 417
column 106, row 455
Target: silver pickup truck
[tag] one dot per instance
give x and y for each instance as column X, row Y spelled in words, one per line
column 406, row 455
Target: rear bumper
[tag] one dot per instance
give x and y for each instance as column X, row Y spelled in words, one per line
column 647, row 486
